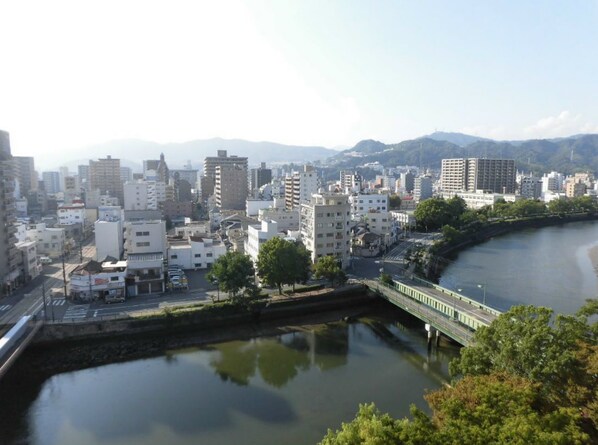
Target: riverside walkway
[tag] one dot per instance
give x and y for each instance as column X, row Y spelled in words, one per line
column 448, row 312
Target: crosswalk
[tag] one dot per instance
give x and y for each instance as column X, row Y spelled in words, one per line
column 76, row 312
column 59, row 302
column 5, row 307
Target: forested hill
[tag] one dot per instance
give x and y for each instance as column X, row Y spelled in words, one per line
column 566, row 155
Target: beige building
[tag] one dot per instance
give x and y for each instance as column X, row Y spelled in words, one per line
column 104, row 175
column 495, row 175
column 9, row 254
column 231, row 187
column 325, row 225
column 575, row 187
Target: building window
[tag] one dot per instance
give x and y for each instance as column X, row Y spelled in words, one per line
column 209, row 255
column 197, row 255
column 173, row 257
column 197, row 264
column 113, row 278
column 143, row 244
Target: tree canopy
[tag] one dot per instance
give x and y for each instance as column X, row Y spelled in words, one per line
column 529, row 377
column 283, row 262
column 327, row 267
column 233, row 272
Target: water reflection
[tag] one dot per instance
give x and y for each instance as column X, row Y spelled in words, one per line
column 279, row 360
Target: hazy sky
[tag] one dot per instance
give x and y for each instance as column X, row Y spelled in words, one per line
column 75, row 73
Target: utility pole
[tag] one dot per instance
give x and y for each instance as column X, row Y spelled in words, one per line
column 81, row 249
column 64, row 275
column 44, row 300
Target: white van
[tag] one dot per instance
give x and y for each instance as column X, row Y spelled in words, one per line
column 45, row 260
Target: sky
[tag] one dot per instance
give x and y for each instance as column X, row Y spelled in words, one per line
column 305, row 72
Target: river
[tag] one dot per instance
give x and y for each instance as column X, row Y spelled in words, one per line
column 288, row 388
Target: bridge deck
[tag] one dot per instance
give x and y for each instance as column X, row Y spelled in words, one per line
column 454, row 315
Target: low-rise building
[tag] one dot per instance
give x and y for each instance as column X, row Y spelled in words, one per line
column 145, row 274
column 50, row 241
column 361, row 204
column 257, row 235
column 93, row 280
column 286, row 219
column 194, row 252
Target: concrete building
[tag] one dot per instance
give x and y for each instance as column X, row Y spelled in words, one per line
column 109, row 233
column 189, row 175
column 104, row 175
column 350, row 181
column 325, row 227
column 28, row 262
column 257, row 235
column 72, row 189
column 299, row 186
column 156, row 170
column 471, row 174
column 71, row 214
column 405, row 219
column 381, row 223
column 194, row 228
column 287, row 220
column 575, row 187
column 126, row 174
column 253, row 206
column 25, row 174
column 194, row 252
column 9, row 254
column 231, row 187
column 259, row 176
column 530, row 187
column 477, row 200
column 51, row 241
column 422, row 188
column 94, row 280
column 175, row 210
column 361, row 204
column 51, row 182
column 143, row 237
column 211, row 162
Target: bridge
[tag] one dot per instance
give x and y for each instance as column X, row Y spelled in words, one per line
column 450, row 313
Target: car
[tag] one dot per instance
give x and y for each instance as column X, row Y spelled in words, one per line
column 45, row 260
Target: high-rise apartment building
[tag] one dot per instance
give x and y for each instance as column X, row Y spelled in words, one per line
column 156, row 169
column 260, row 176
column 231, row 187
column 24, row 170
column 51, row 182
column 530, row 187
column 9, row 254
column 299, row 186
column 495, row 175
column 208, row 181
column 325, row 223
column 422, row 188
column 104, row 175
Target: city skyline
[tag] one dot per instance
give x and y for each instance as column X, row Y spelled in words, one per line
column 308, row 73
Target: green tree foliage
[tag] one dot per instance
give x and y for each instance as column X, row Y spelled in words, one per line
column 529, row 378
column 432, row 214
column 327, row 267
column 283, row 262
column 394, row 202
column 233, row 271
column 386, row 279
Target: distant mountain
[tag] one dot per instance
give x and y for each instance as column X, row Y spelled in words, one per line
column 367, row 146
column 460, row 139
column 567, row 155
column 133, row 152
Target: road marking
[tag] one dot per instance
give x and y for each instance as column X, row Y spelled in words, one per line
column 5, row 307
column 95, row 313
column 59, row 302
column 79, row 311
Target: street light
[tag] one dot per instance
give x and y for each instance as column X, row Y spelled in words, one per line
column 483, row 287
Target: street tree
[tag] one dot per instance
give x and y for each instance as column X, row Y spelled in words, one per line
column 327, row 267
column 432, row 214
column 283, row 262
column 233, row 272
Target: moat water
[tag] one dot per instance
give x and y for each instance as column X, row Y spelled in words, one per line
column 290, row 388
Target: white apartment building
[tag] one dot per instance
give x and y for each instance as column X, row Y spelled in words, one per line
column 144, row 195
column 286, row 219
column 29, row 265
column 553, row 182
column 257, row 235
column 325, row 227
column 422, row 188
column 405, row 219
column 109, row 233
column 253, row 206
column 363, row 203
column 71, row 214
column 299, row 187
column 194, row 228
column 530, row 187
column 382, row 223
column 144, row 237
column 479, row 199
column 50, row 241
column 194, row 252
